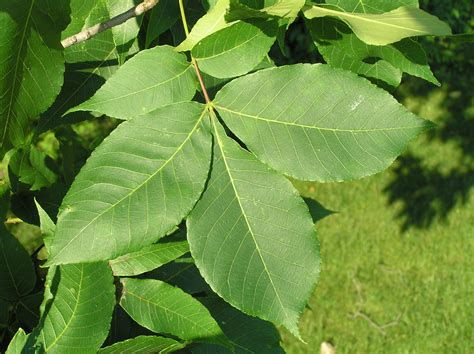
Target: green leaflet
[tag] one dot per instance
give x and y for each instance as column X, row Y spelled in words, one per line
column 252, row 237
column 247, row 334
column 17, row 273
column 210, row 23
column 17, row 343
column 342, row 48
column 163, row 308
column 79, row 316
column 162, row 17
column 143, row 344
column 388, row 27
column 151, row 79
column 315, row 122
column 31, row 64
column 239, row 10
column 237, row 49
column 138, row 184
column 148, row 258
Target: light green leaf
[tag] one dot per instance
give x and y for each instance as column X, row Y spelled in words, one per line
column 17, row 343
column 125, row 34
column 341, row 48
column 47, row 226
column 237, row 49
column 148, row 258
column 143, row 344
column 388, row 27
column 31, row 64
column 138, row 184
column 252, row 237
column 315, row 122
column 239, row 10
column 162, row 17
column 163, row 308
column 79, row 318
column 17, row 273
column 153, row 78
column 210, row 23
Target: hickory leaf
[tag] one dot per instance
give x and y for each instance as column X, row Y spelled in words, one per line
column 239, row 10
column 143, row 344
column 138, row 184
column 388, row 27
column 252, row 237
column 315, row 122
column 153, row 78
column 163, row 308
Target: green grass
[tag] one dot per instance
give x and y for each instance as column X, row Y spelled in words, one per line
column 406, row 264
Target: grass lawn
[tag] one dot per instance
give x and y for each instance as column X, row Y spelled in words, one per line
column 398, row 258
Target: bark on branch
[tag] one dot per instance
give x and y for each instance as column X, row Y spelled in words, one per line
column 117, row 20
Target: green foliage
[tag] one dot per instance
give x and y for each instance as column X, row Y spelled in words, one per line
column 212, row 168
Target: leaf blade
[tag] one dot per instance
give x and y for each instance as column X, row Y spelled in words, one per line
column 143, row 344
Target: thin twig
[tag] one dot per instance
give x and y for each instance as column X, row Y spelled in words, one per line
column 136, row 11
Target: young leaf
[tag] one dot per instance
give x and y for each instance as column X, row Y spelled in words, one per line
column 237, row 49
column 31, row 63
column 17, row 343
column 80, row 313
column 342, row 48
column 17, row 273
column 153, row 78
column 210, row 23
column 252, row 237
column 140, row 183
column 163, row 308
column 388, row 27
column 143, row 344
column 238, row 10
column 148, row 258
column 315, row 122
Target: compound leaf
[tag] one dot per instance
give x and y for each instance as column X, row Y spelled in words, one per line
column 79, row 316
column 388, row 27
column 138, row 184
column 143, row 344
column 31, row 63
column 163, row 308
column 252, row 237
column 237, row 49
column 315, row 122
column 151, row 79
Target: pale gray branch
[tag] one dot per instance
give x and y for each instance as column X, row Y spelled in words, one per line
column 117, row 20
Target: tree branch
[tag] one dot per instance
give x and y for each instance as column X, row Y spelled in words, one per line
column 117, row 20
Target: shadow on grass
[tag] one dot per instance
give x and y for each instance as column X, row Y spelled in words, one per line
column 429, row 193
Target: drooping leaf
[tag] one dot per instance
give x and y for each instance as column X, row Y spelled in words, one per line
column 148, row 258
column 247, row 334
column 317, row 210
column 163, row 308
column 140, row 183
column 162, row 17
column 252, row 237
column 153, row 78
column 237, row 49
column 125, row 34
column 388, row 27
column 342, row 48
column 31, row 63
column 78, row 320
column 210, row 23
column 17, row 273
column 27, row 310
column 240, row 10
column 143, row 344
column 315, row 122
column 17, row 343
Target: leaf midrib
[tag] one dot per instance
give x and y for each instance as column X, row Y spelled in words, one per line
column 180, row 147
column 219, row 143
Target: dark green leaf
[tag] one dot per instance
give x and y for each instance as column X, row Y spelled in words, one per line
column 27, row 311
column 162, row 17
column 143, row 344
column 316, row 209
